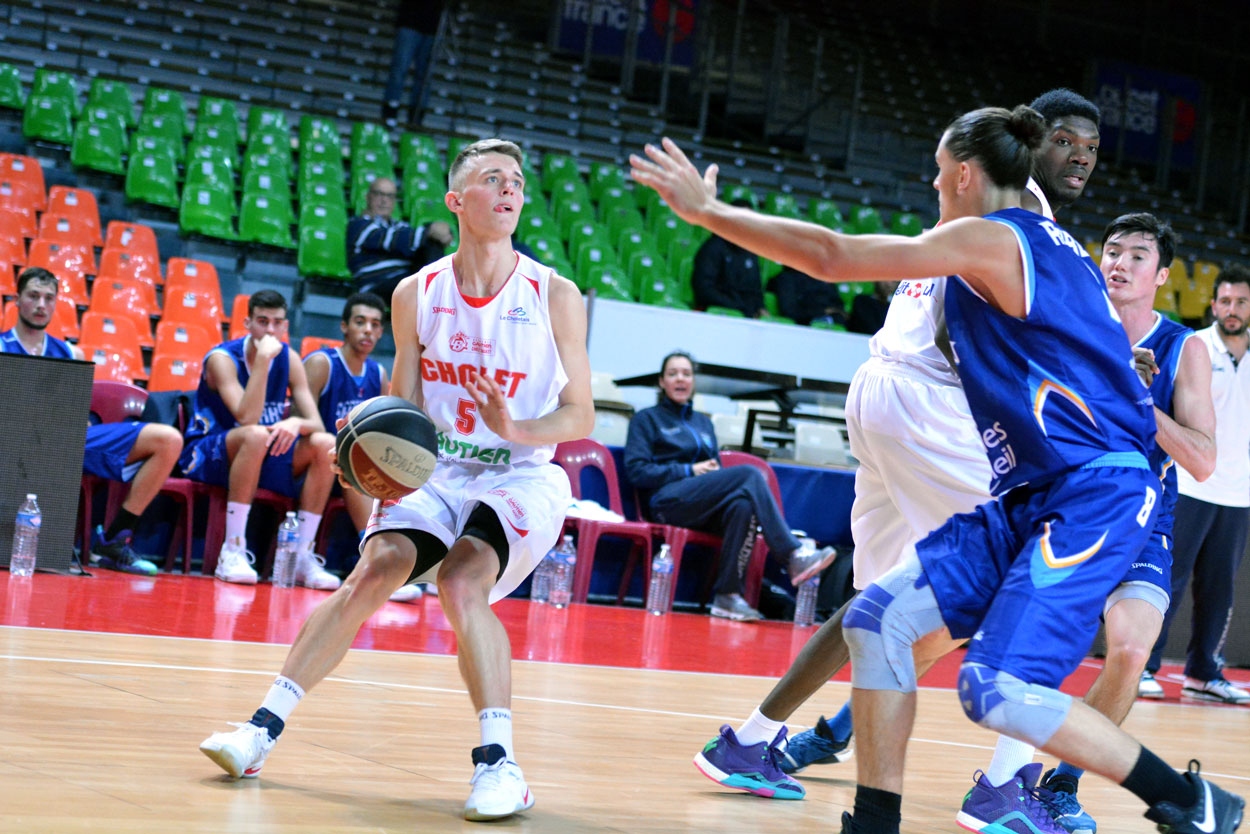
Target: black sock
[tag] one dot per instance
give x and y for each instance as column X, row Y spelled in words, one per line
column 126, row 520
column 1155, row 781
column 877, row 811
column 272, row 723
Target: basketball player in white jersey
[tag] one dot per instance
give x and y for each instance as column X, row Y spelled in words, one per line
column 921, row 461
column 493, row 346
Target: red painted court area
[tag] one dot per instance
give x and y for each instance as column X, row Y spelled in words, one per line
column 602, row 635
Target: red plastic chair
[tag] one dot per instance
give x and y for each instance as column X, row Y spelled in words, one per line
column 309, row 344
column 678, row 538
column 113, row 402
column 574, row 456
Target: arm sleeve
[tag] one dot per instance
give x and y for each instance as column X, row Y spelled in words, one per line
column 642, row 471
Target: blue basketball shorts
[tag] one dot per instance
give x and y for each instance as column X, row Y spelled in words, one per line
column 107, row 448
column 205, row 460
column 1026, row 576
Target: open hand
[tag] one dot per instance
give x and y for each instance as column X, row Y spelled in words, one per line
column 674, row 177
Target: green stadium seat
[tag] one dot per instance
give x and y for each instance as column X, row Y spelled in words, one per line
column 322, row 252
column 320, row 152
column 559, row 168
column 208, row 210
column 660, row 291
column 57, row 85
column 571, row 214
column 728, row 312
column 587, row 234
column 592, row 257
column 768, row 269
column 368, row 136
column 826, row 213
column 648, row 201
column 906, row 223
column 267, row 120
column 152, row 177
column 49, row 119
column 322, row 215
column 12, row 95
column 98, row 146
column 266, row 218
column 825, row 324
column 607, row 281
column 220, row 113
column 316, row 129
column 169, row 129
column 782, row 205
column 267, row 150
column 605, row 176
column 418, row 145
column 635, row 241
column 210, row 165
column 738, row 191
column 168, row 104
column 866, row 220
column 321, row 195
column 645, row 268
column 430, row 209
column 548, row 249
column 113, row 96
column 218, row 137
column 325, row 174
column 455, row 145
column 262, row 181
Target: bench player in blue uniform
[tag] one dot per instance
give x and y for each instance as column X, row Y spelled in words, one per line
column 141, row 453
column 1067, row 426
column 1137, row 250
column 340, row 378
column 240, row 438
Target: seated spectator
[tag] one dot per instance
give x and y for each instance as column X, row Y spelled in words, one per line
column 340, row 378
column 671, row 456
column 726, row 275
column 805, row 299
column 239, row 438
column 382, row 251
column 142, row 453
column 868, row 309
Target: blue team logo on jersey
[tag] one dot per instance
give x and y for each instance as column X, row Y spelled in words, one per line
column 1042, row 385
column 1047, row 566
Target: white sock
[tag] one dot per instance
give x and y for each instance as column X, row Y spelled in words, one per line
column 1009, row 756
column 236, row 521
column 283, row 697
column 496, row 726
column 758, row 728
column 308, row 523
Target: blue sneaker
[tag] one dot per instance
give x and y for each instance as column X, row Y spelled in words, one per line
column 1012, row 808
column 1058, row 794
column 748, row 768
column 814, row 746
column 117, row 555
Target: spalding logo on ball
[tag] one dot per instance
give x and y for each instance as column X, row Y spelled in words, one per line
column 387, row 448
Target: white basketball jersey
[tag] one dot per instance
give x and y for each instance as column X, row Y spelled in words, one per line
column 914, row 333
column 508, row 338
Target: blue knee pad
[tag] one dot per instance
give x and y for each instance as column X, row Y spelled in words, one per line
column 883, row 623
column 1002, row 702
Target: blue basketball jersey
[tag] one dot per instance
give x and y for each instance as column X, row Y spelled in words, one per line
column 342, row 391
column 53, row 348
column 1056, row 390
column 211, row 414
column 1167, row 340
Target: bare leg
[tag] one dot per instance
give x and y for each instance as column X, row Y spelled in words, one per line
column 246, row 446
column 1089, row 740
column 312, row 460
column 158, row 447
column 484, row 653
column 883, row 722
column 821, row 657
column 328, row 632
column 1132, row 626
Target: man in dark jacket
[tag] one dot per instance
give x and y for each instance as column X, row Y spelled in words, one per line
column 726, row 275
column 382, row 251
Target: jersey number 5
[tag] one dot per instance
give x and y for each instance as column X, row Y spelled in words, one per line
column 466, row 416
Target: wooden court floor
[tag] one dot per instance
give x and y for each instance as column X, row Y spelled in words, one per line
column 100, row 722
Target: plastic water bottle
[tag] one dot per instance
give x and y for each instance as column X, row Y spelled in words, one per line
column 25, row 537
column 660, row 591
column 562, row 572
column 540, row 586
column 805, row 605
column 288, row 552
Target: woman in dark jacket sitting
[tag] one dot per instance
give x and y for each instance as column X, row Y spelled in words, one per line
column 671, row 456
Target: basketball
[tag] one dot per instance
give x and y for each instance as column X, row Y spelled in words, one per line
column 387, row 448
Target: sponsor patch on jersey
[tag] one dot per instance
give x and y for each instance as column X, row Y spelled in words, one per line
column 516, row 315
column 460, row 342
column 451, row 311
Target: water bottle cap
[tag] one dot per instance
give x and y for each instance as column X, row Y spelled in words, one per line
column 291, row 514
column 30, row 496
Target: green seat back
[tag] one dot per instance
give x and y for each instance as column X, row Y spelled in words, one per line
column 114, row 96
column 266, row 218
column 99, row 146
column 12, row 95
column 208, row 210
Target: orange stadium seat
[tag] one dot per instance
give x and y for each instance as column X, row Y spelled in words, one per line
column 64, row 324
column 238, row 316
column 21, row 179
column 68, row 262
column 315, row 343
column 16, row 225
column 134, row 238
column 174, row 373
column 64, row 228
column 200, row 277
column 131, row 300
column 188, row 306
column 186, row 340
column 120, row 264
column 77, row 203
column 114, row 335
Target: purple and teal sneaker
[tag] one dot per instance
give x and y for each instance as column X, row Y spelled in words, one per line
column 755, row 768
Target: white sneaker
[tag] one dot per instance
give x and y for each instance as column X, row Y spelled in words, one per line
column 499, row 789
column 234, row 564
column 311, row 573
column 1148, row 687
column 241, row 752
column 408, row 593
column 1216, row 689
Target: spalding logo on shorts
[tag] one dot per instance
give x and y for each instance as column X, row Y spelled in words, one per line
column 387, row 447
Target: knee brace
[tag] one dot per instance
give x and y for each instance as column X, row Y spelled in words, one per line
column 882, row 624
column 1002, row 702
